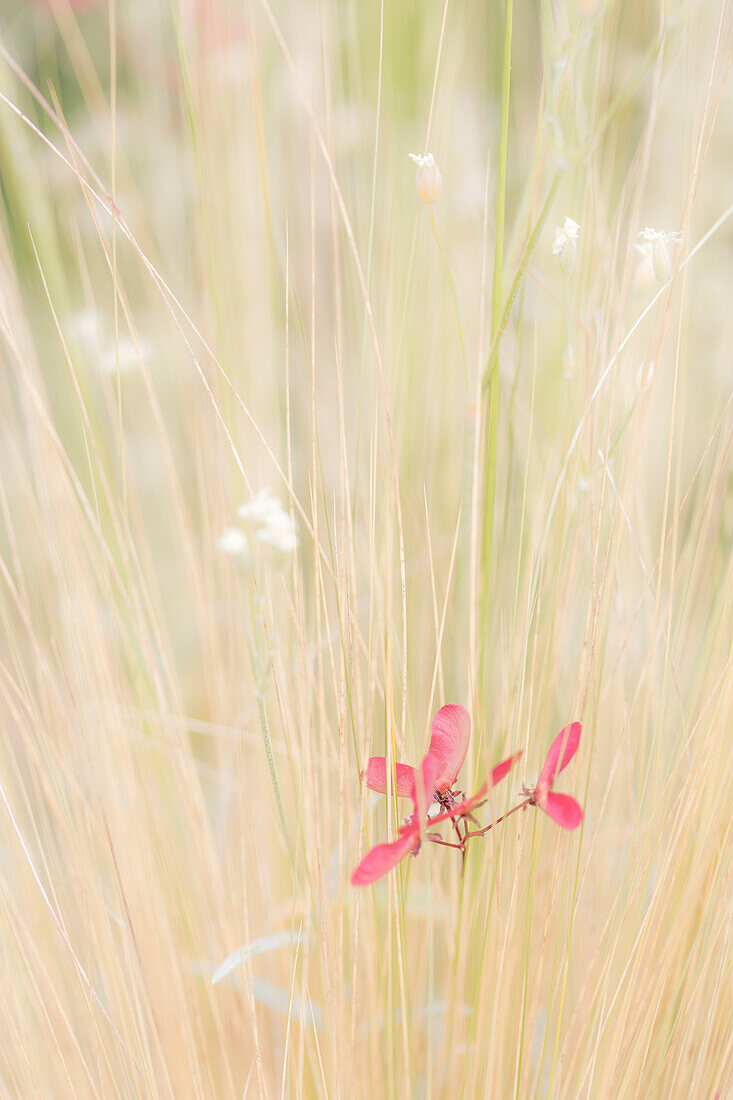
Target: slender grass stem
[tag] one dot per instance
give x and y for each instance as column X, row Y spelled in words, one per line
column 456, row 299
column 491, row 425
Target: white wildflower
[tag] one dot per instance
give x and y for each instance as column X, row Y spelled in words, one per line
column 260, row 509
column 235, row 544
column 91, row 332
column 659, row 241
column 429, row 181
column 565, row 245
column 127, row 355
column 269, row 523
column 86, row 326
column 279, row 533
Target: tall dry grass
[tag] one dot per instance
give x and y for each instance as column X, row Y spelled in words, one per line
column 513, row 489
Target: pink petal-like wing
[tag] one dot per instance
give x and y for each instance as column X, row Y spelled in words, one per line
column 382, row 858
column 563, row 809
column 426, row 782
column 375, row 777
column 450, row 734
column 498, row 773
column 562, row 751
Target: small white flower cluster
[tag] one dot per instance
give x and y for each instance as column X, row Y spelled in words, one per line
column 265, row 516
column 429, row 181
column 86, row 326
column 234, row 542
column 126, row 354
column 655, row 248
column 565, row 245
column 266, row 521
column 89, row 328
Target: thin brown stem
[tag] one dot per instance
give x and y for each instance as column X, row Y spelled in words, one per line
column 519, row 806
column 435, row 839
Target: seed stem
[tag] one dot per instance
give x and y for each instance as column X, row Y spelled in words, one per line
column 484, row 831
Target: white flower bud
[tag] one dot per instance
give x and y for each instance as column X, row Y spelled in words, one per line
column 661, row 261
column 428, row 180
column 644, row 377
column 659, row 242
column 565, row 245
column 645, row 270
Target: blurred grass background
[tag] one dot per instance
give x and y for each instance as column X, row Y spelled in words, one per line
column 215, row 276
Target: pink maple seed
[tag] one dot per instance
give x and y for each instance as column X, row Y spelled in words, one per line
column 562, row 751
column 426, row 777
column 433, row 779
column 450, row 734
column 445, row 752
column 375, row 777
column 383, row 857
column 502, row 769
column 562, row 808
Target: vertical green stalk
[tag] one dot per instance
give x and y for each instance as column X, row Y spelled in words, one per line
column 265, row 728
column 492, row 401
column 261, row 664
